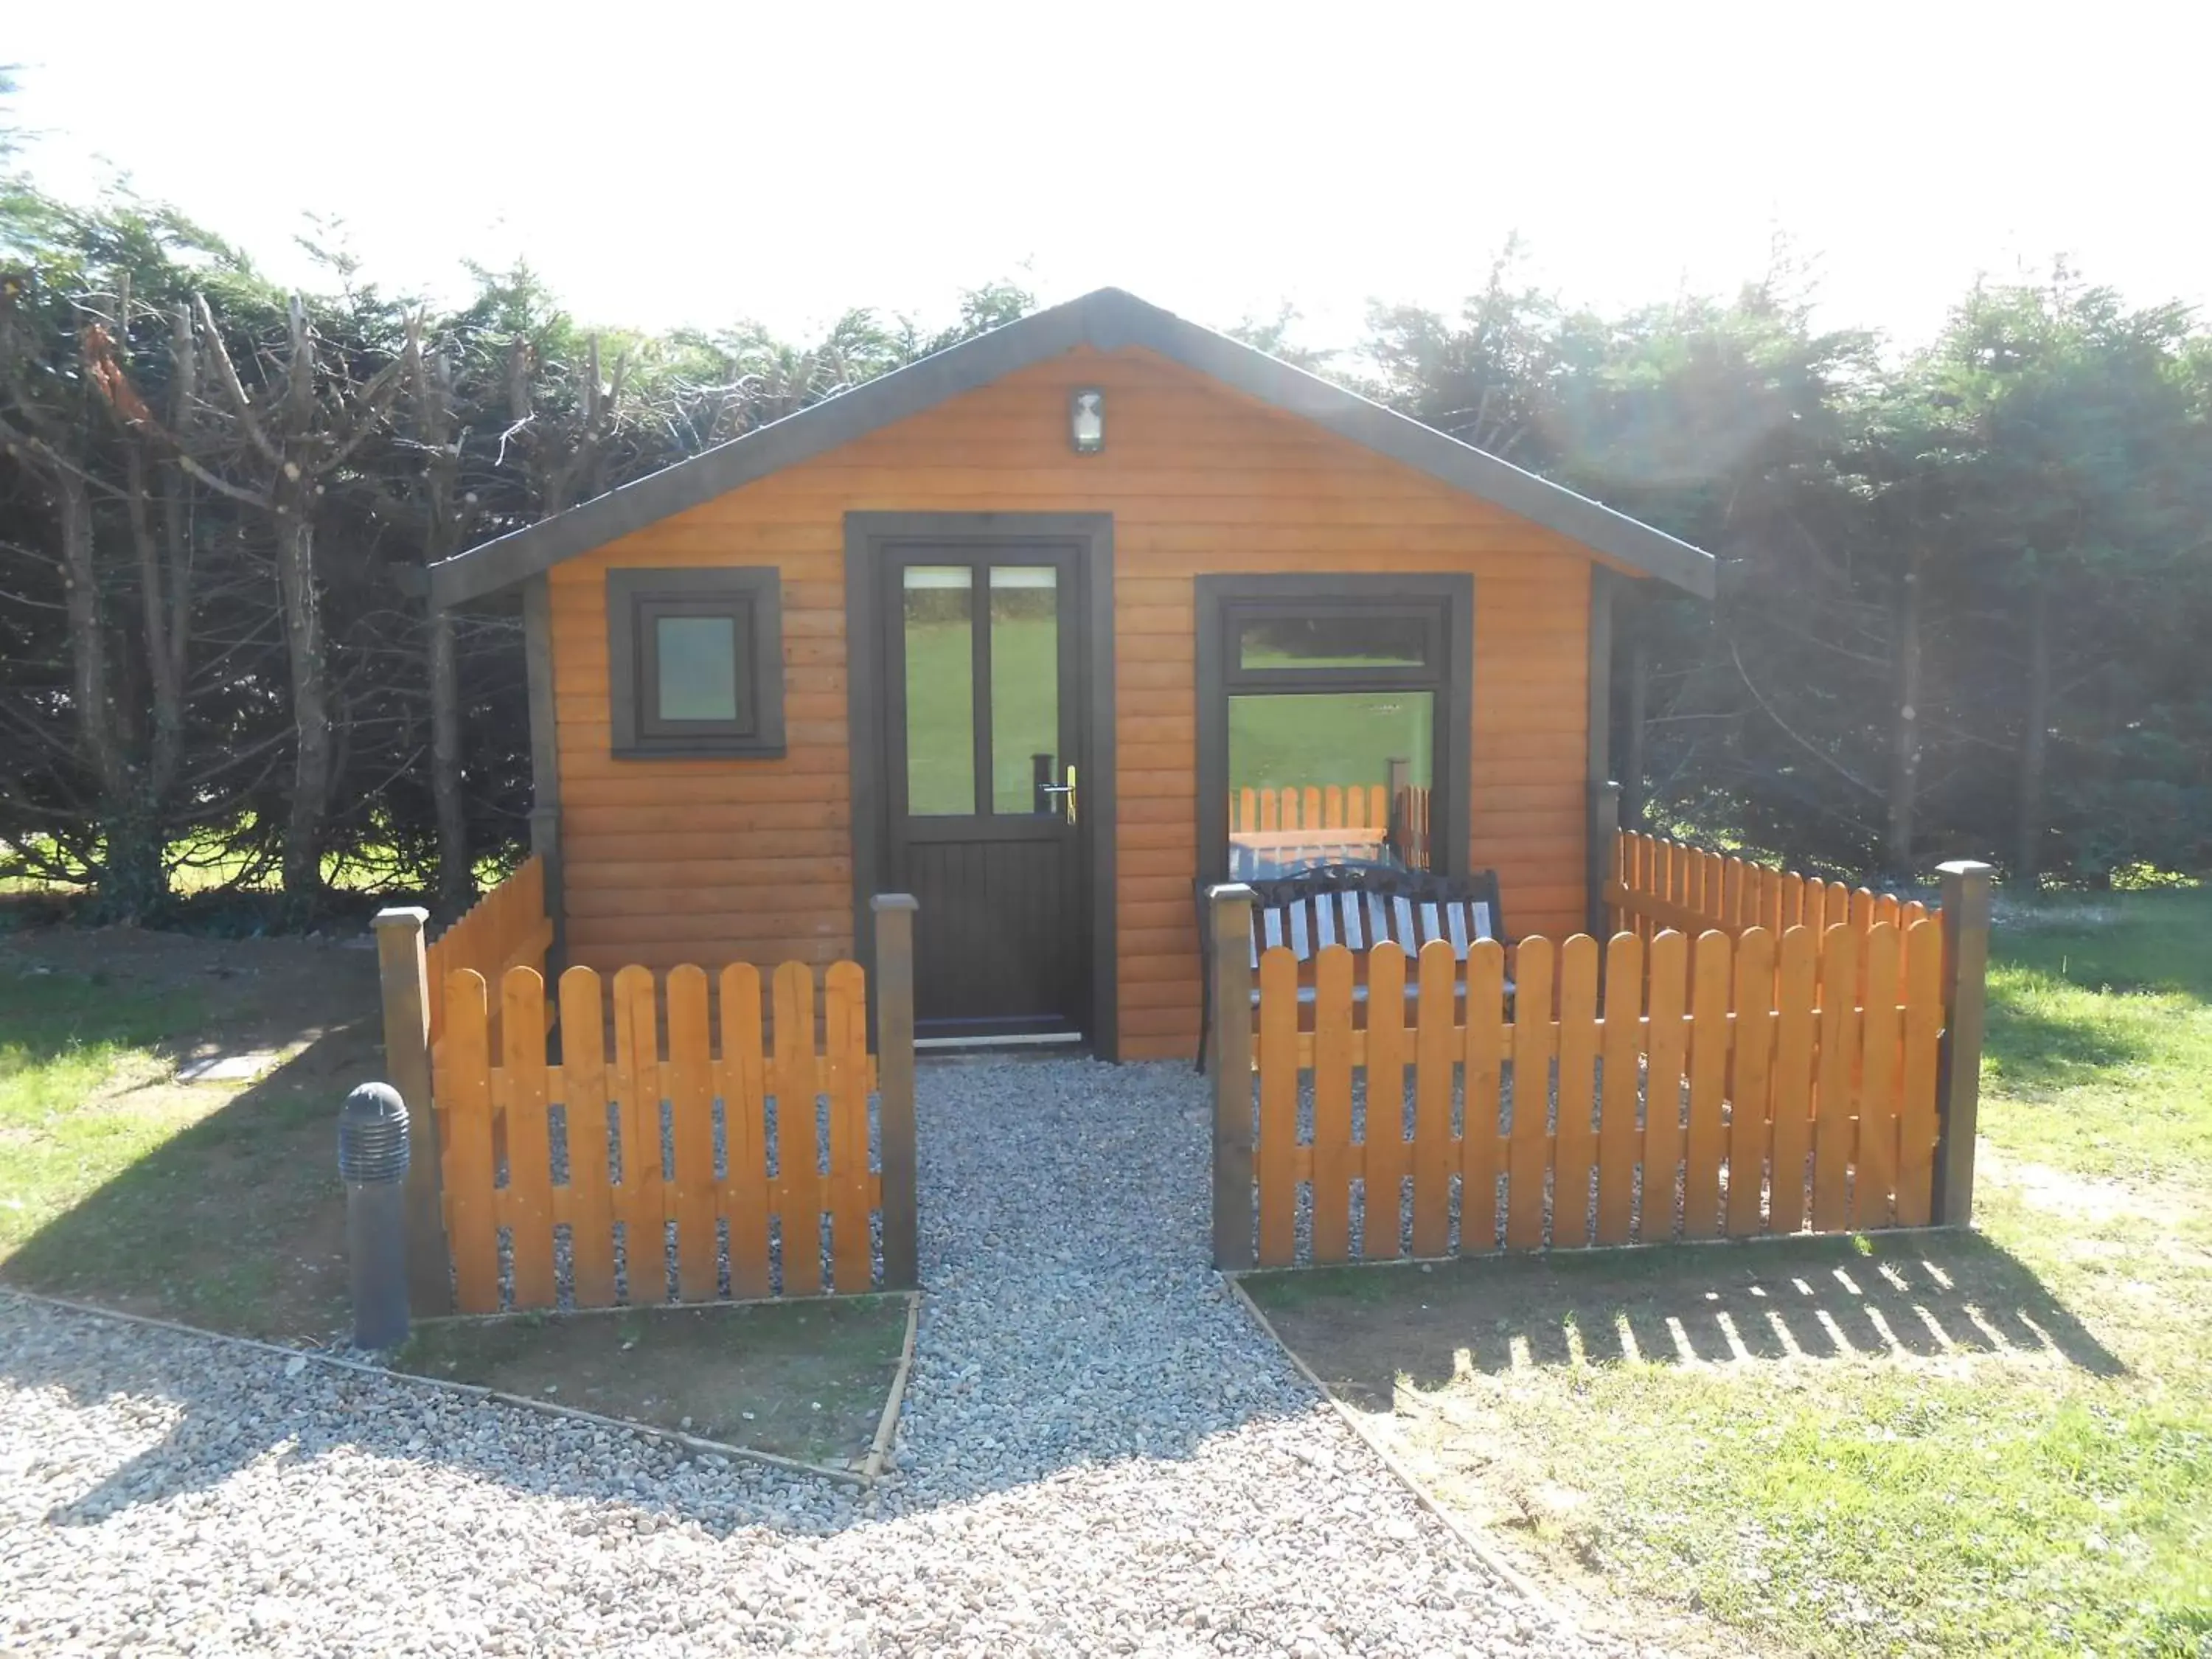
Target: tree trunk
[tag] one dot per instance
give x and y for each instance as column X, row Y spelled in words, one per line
column 2034, row 741
column 1905, row 731
column 444, row 513
column 131, row 880
column 311, row 705
column 456, row 875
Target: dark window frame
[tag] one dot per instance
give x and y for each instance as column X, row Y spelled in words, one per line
column 1446, row 602
column 1239, row 609
column 751, row 596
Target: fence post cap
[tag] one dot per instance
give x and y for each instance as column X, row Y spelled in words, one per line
column 402, row 915
column 1228, row 889
column 883, row 902
column 1965, row 868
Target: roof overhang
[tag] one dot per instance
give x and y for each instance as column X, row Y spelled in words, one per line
column 1106, row 320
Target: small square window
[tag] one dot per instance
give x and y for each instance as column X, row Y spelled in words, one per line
column 695, row 662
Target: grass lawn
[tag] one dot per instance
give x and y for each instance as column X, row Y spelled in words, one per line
column 1999, row 1441
column 801, row 1379
column 216, row 1203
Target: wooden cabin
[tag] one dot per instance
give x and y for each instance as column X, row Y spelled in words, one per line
column 1044, row 629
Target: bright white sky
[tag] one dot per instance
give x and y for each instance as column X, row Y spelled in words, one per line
column 662, row 164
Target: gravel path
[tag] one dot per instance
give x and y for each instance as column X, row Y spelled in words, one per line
column 1099, row 1454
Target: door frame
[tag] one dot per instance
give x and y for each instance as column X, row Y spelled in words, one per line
column 1091, row 535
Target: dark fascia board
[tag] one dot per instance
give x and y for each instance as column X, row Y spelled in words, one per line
column 1107, row 321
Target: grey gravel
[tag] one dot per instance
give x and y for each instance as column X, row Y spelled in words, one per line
column 1100, row 1454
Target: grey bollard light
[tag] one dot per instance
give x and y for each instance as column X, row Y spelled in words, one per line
column 373, row 1163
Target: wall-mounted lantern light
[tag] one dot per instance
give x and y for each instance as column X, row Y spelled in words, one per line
column 1086, row 421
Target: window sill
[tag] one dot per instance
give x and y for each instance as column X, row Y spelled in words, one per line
column 698, row 749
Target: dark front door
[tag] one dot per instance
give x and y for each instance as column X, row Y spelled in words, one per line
column 983, row 724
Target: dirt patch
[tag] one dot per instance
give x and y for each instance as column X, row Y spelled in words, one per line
column 2094, row 1199
column 800, row 1379
column 255, row 992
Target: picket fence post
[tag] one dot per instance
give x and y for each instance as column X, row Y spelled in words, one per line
column 1958, row 1088
column 403, row 970
column 895, row 914
column 1229, row 914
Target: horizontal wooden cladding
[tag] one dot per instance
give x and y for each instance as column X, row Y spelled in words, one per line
column 1140, row 912
column 707, row 926
column 1167, row 943
column 1177, row 990
column 582, row 825
column 739, row 898
column 797, row 867
column 1136, row 706
column 1178, row 674
column 670, row 786
column 671, row 860
column 1492, row 552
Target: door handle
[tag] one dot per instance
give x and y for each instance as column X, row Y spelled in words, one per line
column 1063, row 793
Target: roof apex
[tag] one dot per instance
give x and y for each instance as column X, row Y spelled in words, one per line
column 1106, row 319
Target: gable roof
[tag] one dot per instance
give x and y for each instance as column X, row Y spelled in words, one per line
column 1107, row 321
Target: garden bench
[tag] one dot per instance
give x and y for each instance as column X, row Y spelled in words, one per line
column 1358, row 906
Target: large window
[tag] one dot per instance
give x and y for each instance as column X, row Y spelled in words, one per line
column 695, row 662
column 1332, row 716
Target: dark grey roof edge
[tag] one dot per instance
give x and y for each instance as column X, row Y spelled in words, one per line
column 1106, row 320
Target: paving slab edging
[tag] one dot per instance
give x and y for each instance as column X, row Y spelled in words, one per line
column 696, row 1445
column 1492, row 1562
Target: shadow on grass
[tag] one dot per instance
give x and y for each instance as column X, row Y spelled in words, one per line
column 235, row 1222
column 1926, row 1295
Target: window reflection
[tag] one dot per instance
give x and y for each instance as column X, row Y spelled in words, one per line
column 1322, row 777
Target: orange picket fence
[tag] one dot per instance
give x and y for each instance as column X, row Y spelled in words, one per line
column 1356, row 819
column 1582, row 1094
column 1658, row 883
column 507, row 928
column 663, row 1164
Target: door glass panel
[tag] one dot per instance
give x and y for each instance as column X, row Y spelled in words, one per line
column 1025, row 686
column 1311, row 777
column 698, row 660
column 1342, row 639
column 940, row 690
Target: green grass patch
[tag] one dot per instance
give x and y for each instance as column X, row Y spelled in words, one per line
column 65, row 1040
column 2099, row 1049
column 801, row 1379
column 1940, row 1442
column 214, row 1203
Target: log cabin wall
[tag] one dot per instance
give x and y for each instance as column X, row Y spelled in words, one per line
column 719, row 860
